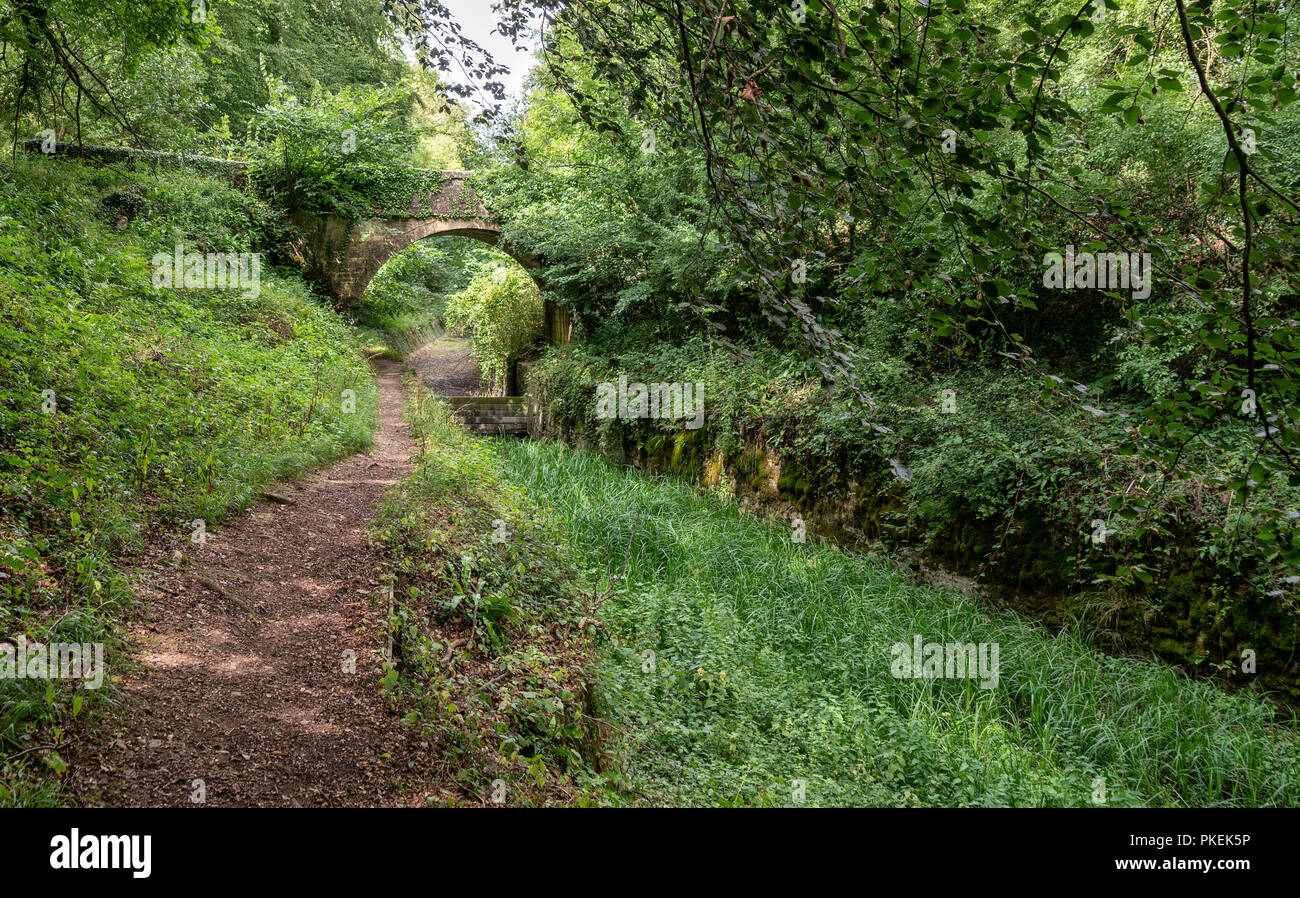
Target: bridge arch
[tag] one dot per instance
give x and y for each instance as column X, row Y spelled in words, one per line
column 343, row 255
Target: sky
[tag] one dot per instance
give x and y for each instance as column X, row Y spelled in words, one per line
column 478, row 18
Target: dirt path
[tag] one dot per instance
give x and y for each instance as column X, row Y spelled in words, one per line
column 447, row 367
column 241, row 680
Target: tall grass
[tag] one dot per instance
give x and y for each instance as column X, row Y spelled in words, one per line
column 770, row 681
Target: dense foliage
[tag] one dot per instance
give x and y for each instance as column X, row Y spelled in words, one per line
column 343, row 153
column 76, row 64
column 186, row 74
column 880, row 188
column 500, row 310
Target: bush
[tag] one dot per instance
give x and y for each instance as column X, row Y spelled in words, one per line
column 501, row 311
column 344, row 153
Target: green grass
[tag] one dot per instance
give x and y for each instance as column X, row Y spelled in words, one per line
column 772, row 665
column 167, row 406
column 1005, row 489
column 487, row 657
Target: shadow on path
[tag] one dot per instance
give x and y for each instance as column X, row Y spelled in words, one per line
column 241, row 679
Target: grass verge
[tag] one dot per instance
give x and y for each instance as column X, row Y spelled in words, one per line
column 740, row 667
column 486, row 616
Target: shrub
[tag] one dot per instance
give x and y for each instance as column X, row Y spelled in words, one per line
column 500, row 310
column 345, row 152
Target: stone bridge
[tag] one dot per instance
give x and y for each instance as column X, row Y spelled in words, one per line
column 343, row 255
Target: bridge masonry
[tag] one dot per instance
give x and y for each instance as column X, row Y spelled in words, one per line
column 343, row 255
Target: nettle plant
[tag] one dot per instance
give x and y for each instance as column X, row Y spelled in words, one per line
column 934, row 154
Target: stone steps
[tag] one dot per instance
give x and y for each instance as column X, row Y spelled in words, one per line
column 493, row 414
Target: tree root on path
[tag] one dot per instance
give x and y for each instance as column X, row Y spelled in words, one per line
column 209, row 583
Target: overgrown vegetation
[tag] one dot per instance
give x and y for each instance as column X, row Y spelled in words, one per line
column 840, row 219
column 487, row 619
column 454, row 284
column 1005, row 488
column 738, row 664
column 406, row 302
column 344, row 153
column 128, row 411
column 500, row 310
column 874, row 250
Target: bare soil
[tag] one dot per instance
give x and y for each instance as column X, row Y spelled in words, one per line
column 241, row 678
column 447, row 367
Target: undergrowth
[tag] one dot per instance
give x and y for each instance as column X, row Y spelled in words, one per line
column 741, row 667
column 487, row 621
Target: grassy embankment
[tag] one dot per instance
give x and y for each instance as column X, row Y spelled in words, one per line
column 772, row 664
column 129, row 411
column 1024, row 491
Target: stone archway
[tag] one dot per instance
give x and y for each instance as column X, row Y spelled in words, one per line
column 343, row 255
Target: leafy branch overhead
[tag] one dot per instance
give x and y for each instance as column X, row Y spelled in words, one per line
column 935, row 154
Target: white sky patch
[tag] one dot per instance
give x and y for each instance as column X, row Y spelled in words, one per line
column 478, row 18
